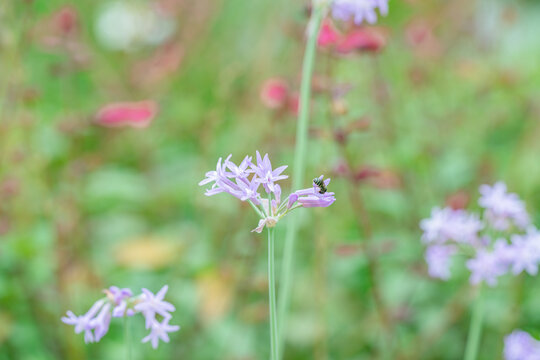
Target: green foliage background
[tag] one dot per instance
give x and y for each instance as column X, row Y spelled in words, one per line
column 84, row 207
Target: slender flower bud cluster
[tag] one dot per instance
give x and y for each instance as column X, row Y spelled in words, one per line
column 519, row 345
column 359, row 10
column 244, row 181
column 121, row 303
column 501, row 241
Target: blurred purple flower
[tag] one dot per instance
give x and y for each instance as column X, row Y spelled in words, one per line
column 101, row 322
column 84, row 322
column 151, row 304
column 486, row 266
column 160, row 330
column 438, row 258
column 121, row 302
column 119, row 298
column 525, row 252
column 519, row 345
column 502, row 209
column 449, row 224
column 359, row 10
column 464, row 230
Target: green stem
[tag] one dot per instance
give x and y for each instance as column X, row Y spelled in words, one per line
column 127, row 338
column 274, row 337
column 299, row 161
column 475, row 329
column 257, row 210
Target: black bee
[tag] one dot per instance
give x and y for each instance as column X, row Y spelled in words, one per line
column 320, row 183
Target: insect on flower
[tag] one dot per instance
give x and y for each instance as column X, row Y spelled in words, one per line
column 321, row 184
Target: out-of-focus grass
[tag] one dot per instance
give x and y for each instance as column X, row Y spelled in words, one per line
column 84, row 207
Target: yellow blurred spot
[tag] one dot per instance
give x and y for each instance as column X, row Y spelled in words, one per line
column 147, row 252
column 216, row 293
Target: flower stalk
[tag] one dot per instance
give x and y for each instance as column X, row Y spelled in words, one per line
column 475, row 328
column 274, row 332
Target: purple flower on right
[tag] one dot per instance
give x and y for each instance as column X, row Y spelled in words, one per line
column 499, row 241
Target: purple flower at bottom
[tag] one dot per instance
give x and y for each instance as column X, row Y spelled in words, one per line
column 151, row 305
column 438, row 258
column 84, row 322
column 101, row 322
column 519, row 345
column 119, row 303
column 160, row 331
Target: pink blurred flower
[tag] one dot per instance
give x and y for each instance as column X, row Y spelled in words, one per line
column 66, row 20
column 328, row 35
column 361, row 39
column 134, row 114
column 274, row 93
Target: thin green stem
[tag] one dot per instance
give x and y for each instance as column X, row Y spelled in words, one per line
column 274, row 337
column 127, row 338
column 257, row 210
column 475, row 329
column 299, row 161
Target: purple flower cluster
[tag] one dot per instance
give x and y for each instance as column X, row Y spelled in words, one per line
column 519, row 345
column 502, row 240
column 359, row 10
column 244, row 181
column 121, row 303
column 503, row 209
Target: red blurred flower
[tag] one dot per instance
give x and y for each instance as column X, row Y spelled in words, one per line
column 134, row 114
column 361, row 39
column 66, row 20
column 328, row 35
column 275, row 93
